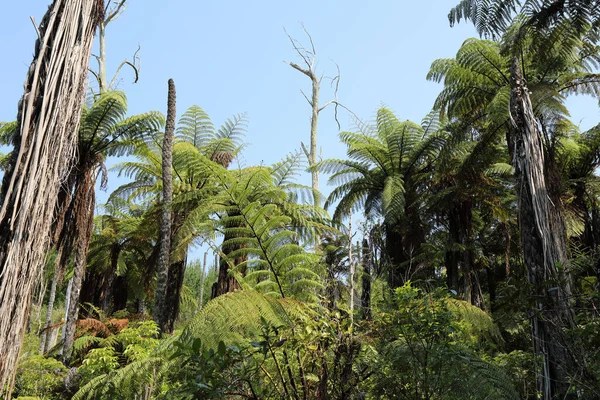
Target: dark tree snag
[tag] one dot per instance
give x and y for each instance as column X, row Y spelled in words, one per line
column 161, row 312
column 544, row 245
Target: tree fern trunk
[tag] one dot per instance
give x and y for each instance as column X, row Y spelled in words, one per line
column 472, row 291
column 161, row 312
column 202, row 280
column 365, row 296
column 48, row 119
column 174, row 286
column 544, row 246
column 226, row 282
column 46, row 334
column 396, row 258
column 452, row 255
column 84, row 218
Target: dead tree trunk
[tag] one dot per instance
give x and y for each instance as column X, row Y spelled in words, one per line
column 309, row 59
column 48, row 119
column 161, row 312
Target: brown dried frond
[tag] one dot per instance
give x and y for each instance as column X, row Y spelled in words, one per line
column 92, row 327
column 222, row 157
column 50, row 328
column 117, row 325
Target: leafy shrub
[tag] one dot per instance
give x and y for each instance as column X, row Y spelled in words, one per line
column 40, row 378
column 423, row 350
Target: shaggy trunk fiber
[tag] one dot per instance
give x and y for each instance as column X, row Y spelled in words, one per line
column 544, row 246
column 48, row 119
column 161, row 314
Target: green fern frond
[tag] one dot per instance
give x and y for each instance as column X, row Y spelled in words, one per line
column 195, row 127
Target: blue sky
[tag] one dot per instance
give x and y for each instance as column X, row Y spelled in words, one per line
column 228, row 57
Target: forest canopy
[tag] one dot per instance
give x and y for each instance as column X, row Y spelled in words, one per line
column 451, row 257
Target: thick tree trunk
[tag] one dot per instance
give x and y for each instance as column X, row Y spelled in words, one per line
column 396, row 259
column 161, row 314
column 452, row 254
column 472, row 290
column 91, row 291
column 544, row 246
column 120, row 293
column 48, row 119
column 226, row 282
column 365, row 296
column 176, row 274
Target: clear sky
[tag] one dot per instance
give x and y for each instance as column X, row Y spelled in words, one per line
column 228, row 57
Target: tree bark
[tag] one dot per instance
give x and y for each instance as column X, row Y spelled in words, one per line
column 365, row 296
column 84, row 219
column 472, row 290
column 174, row 286
column 314, row 122
column 225, row 281
column 544, row 246
column 396, row 258
column 48, row 119
column 161, row 314
column 46, row 336
column 452, row 255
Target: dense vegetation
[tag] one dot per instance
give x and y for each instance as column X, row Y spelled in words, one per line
column 456, row 257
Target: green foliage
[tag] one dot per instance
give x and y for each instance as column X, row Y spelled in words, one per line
column 423, row 353
column 40, row 377
column 520, row 367
column 105, row 129
column 386, row 160
column 133, row 343
column 207, row 373
column 235, row 318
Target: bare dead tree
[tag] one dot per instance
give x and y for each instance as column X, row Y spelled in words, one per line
column 48, row 122
column 309, row 60
column 112, row 11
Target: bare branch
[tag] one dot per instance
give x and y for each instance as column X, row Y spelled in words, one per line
column 312, row 45
column 135, row 65
column 306, row 97
column 95, row 75
column 304, row 71
column 338, row 104
column 327, row 104
column 37, row 31
column 302, row 52
column 116, row 12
